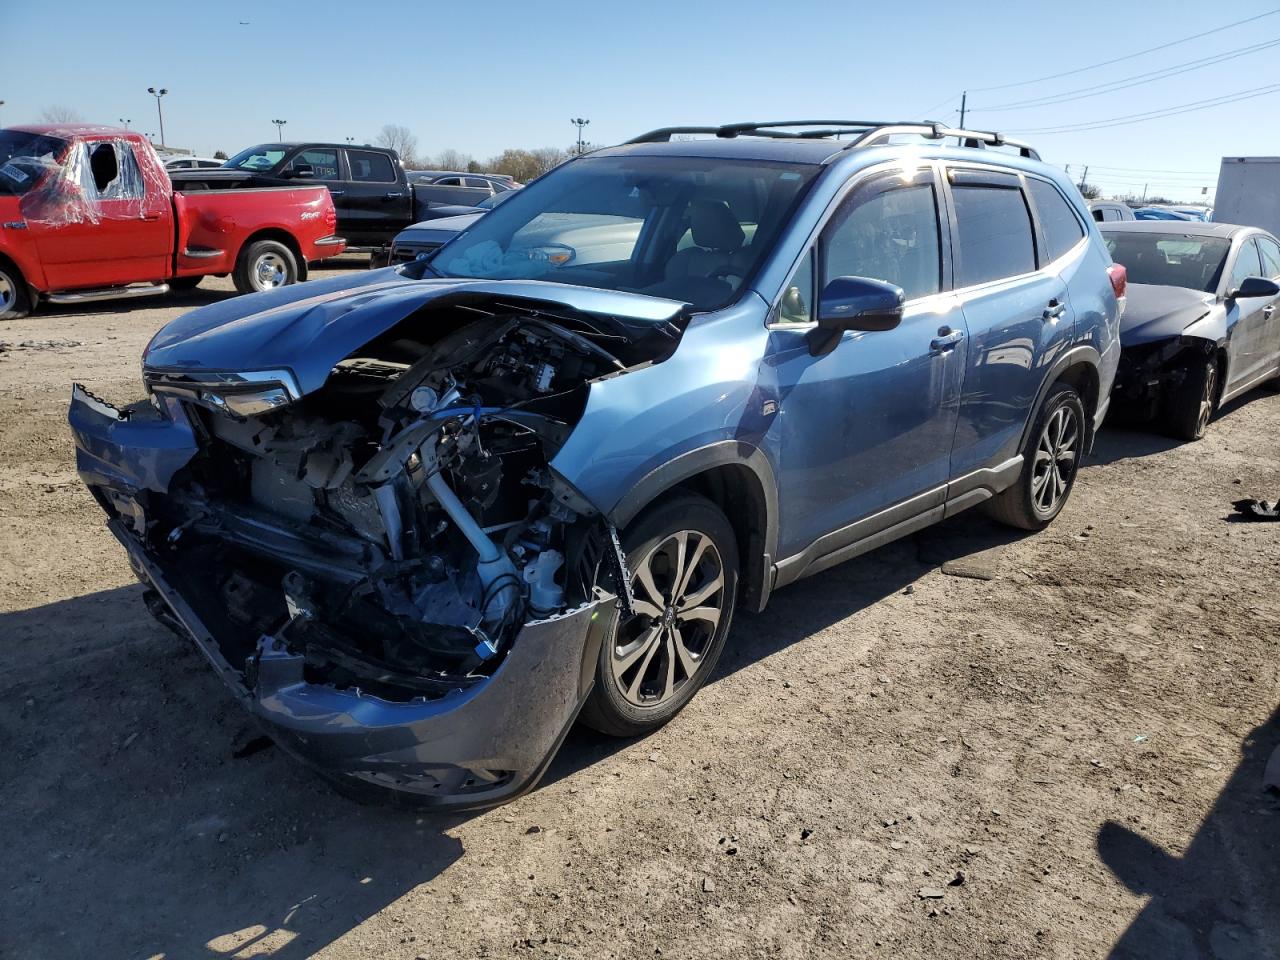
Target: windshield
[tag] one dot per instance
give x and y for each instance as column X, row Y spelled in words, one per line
column 682, row 228
column 1170, row 259
column 24, row 158
column 257, row 158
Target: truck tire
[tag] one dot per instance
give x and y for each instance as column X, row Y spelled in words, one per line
column 15, row 302
column 265, row 265
column 1050, row 462
column 1188, row 410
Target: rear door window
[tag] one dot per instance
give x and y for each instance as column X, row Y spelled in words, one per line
column 370, row 167
column 1062, row 230
column 994, row 235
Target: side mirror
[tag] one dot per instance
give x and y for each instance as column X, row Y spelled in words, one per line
column 1255, row 287
column 302, row 171
column 854, row 303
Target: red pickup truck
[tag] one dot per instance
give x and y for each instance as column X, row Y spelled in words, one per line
column 89, row 213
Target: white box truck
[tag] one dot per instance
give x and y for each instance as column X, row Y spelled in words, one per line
column 1249, row 192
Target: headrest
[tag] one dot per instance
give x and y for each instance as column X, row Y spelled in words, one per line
column 714, row 227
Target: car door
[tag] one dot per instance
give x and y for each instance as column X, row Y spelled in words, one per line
column 1249, row 350
column 863, row 434
column 1269, row 250
column 378, row 205
column 1018, row 315
column 112, row 225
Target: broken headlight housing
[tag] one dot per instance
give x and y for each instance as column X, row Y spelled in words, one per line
column 238, row 395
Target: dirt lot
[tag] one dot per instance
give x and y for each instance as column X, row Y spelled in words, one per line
column 1069, row 755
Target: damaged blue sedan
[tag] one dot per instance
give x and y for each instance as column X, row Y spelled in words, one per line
column 422, row 519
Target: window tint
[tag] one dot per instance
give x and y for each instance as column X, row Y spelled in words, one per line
column 1247, row 265
column 994, row 230
column 477, row 182
column 1062, row 230
column 796, row 305
column 371, row 167
column 449, row 182
column 1270, row 257
column 323, row 163
column 886, row 232
column 1099, row 214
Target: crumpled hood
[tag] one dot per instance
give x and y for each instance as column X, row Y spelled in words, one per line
column 309, row 327
column 1158, row 312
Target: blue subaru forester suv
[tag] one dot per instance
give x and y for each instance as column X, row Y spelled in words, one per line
column 422, row 519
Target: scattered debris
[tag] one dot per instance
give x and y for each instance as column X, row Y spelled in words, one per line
column 1257, row 510
column 534, row 829
column 1141, row 738
column 970, row 568
column 896, row 845
column 806, row 833
column 708, row 885
column 931, row 893
column 6, row 346
column 957, row 880
column 910, row 589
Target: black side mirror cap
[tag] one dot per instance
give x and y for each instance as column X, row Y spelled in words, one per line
column 1255, row 287
column 854, row 303
column 301, row 171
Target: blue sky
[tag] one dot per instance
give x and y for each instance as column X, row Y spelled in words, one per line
column 479, row 77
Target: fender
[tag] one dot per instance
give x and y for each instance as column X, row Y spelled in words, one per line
column 762, row 543
column 1082, row 353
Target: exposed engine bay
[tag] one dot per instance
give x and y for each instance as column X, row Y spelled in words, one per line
column 399, row 525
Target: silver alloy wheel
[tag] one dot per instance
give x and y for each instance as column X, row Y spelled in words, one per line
column 1055, row 460
column 269, row 271
column 8, row 293
column 1206, row 399
column 679, row 592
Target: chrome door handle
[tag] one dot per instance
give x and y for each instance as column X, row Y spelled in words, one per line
column 393, row 195
column 946, row 339
column 336, row 193
column 1054, row 310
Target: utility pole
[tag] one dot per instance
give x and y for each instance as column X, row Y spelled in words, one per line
column 579, row 122
column 280, row 128
column 1144, row 192
column 159, row 113
column 964, row 102
column 1084, row 177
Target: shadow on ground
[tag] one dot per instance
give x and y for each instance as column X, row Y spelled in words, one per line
column 1219, row 900
column 159, row 832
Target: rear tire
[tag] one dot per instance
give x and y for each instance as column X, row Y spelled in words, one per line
column 15, row 301
column 265, row 265
column 1050, row 462
column 684, row 573
column 1189, row 409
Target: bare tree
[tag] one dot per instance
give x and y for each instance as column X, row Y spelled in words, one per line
column 451, row 159
column 60, row 114
column 524, row 165
column 401, row 140
column 1090, row 191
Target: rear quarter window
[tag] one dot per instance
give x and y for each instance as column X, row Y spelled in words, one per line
column 1062, row 230
column 993, row 228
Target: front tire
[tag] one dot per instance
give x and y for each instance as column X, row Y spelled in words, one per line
column 265, row 265
column 1050, row 462
column 1189, row 409
column 683, row 558
column 15, row 302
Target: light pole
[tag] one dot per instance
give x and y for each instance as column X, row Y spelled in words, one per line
column 579, row 122
column 159, row 113
column 350, row 139
column 125, row 122
column 280, row 128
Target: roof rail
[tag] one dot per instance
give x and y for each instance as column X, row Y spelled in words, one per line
column 865, row 132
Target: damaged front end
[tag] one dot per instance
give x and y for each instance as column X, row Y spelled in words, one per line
column 385, row 569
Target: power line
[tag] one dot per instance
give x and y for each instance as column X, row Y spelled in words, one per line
column 1103, row 166
column 1158, row 114
column 1128, row 56
column 1152, row 76
column 925, row 113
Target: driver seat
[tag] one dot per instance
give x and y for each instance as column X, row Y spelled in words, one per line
column 716, row 235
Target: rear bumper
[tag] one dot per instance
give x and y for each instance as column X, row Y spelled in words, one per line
column 474, row 747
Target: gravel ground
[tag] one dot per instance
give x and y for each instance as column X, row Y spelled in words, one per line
column 900, row 758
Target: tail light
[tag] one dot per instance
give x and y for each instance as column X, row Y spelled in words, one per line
column 1119, row 277
column 331, row 219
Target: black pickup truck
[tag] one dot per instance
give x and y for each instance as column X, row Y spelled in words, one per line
column 373, row 196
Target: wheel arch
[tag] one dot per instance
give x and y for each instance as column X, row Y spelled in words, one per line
column 1078, row 367
column 739, row 479
column 280, row 236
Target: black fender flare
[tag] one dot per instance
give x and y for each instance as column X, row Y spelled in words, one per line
column 762, row 544
column 1081, row 353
